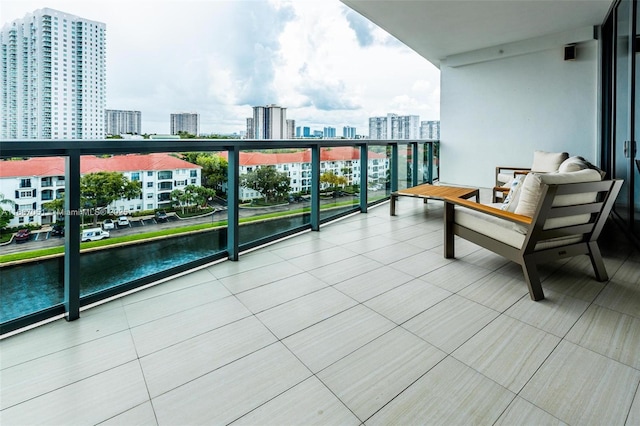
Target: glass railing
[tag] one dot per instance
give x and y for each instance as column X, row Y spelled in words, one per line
column 226, row 196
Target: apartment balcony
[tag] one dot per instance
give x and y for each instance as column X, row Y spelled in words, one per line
column 362, row 321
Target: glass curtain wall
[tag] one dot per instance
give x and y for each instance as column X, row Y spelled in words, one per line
column 621, row 111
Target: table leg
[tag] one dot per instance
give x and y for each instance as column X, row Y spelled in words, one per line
column 392, row 204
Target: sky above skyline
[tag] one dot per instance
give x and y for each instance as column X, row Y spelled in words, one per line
column 325, row 63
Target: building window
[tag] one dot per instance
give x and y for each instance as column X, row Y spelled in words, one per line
column 194, row 173
column 165, row 175
column 150, row 195
column 135, row 176
column 25, row 183
column 149, row 184
column 150, row 174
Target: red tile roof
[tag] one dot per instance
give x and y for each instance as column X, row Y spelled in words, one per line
column 341, row 153
column 54, row 166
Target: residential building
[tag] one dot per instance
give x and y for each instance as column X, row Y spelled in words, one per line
column 188, row 122
column 118, row 122
column 250, row 132
column 53, row 71
column 269, row 122
column 349, row 132
column 33, row 182
column 341, row 161
column 430, row 129
column 394, row 126
column 329, row 133
column 291, row 126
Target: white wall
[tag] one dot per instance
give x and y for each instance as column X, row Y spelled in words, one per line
column 498, row 112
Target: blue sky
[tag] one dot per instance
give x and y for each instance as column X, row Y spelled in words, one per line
column 322, row 61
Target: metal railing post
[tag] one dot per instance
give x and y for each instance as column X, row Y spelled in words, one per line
column 72, row 236
column 233, row 210
column 364, row 177
column 315, row 188
column 414, row 163
column 394, row 167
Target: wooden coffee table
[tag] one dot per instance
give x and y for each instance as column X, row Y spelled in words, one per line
column 437, row 192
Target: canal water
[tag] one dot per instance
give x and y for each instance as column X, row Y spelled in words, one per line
column 31, row 287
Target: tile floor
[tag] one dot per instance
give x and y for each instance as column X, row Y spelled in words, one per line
column 364, row 322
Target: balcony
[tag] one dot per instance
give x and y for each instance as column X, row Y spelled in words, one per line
column 360, row 320
column 363, row 321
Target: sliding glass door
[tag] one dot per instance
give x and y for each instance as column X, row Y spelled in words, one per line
column 621, row 112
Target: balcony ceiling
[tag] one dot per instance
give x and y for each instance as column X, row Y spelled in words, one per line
column 436, row 29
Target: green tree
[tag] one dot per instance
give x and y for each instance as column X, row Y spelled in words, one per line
column 180, row 198
column 214, row 168
column 272, row 184
column 98, row 190
column 332, row 179
column 5, row 215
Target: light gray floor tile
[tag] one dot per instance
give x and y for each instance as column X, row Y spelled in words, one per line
column 579, row 285
column 60, row 335
column 170, row 303
column 254, row 278
column 142, row 415
column 228, row 393
column 507, row 351
column 483, row 258
column 167, row 331
column 345, row 269
column 579, row 386
column 187, row 280
column 373, row 375
column 281, row 291
column 178, row 364
column 609, row 333
column 496, row 291
column 291, row 317
column 368, row 244
column 451, row 322
column 555, row 314
column 309, row 403
column 449, row 394
column 622, row 296
column 322, row 258
column 420, row 264
column 83, row 402
column 408, row 300
column 326, row 342
column 455, row 276
column 523, row 413
column 45, row 374
column 393, row 253
column 303, row 248
column 427, row 241
column 634, row 413
column 247, row 262
column 373, row 283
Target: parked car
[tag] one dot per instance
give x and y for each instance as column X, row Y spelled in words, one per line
column 22, row 235
column 108, row 224
column 161, row 216
column 123, row 221
column 57, row 230
column 94, row 234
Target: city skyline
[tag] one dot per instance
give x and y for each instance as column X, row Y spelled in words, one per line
column 326, row 64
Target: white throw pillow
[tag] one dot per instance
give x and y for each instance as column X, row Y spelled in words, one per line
column 573, row 164
column 547, row 162
column 511, row 200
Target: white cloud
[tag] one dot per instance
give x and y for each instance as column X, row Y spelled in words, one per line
column 321, row 60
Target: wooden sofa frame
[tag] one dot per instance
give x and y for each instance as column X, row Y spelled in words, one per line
column 527, row 256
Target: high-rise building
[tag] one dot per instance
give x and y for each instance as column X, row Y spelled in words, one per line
column 250, row 133
column 188, row 122
column 119, row 122
column 291, row 126
column 329, row 132
column 53, row 74
column 349, row 132
column 394, row 126
column 269, row 122
column 430, row 129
